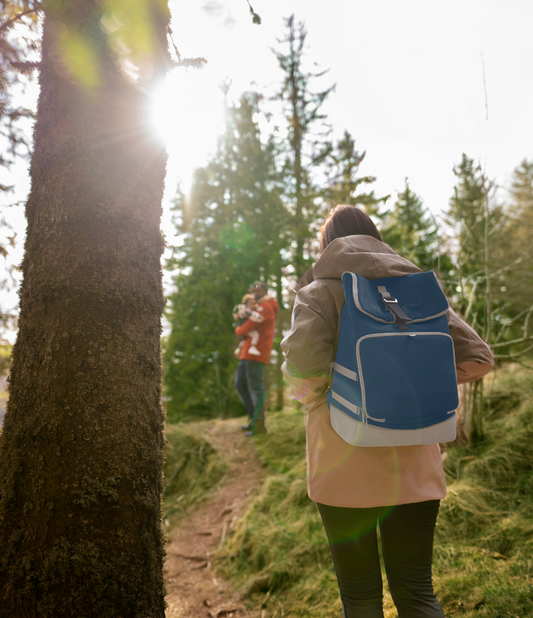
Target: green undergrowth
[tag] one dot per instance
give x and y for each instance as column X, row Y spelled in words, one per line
column 484, row 539
column 193, row 467
column 5, row 357
column 483, row 561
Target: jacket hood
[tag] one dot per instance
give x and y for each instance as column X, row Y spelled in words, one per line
column 362, row 254
column 272, row 300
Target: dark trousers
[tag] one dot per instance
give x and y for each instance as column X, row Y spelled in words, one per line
column 249, row 385
column 407, row 543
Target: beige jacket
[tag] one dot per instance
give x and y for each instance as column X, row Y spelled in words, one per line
column 340, row 474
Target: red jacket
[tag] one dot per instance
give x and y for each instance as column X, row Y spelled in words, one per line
column 268, row 307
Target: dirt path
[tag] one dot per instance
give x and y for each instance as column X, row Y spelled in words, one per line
column 194, row 591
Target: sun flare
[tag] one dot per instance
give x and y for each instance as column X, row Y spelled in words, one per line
column 187, row 115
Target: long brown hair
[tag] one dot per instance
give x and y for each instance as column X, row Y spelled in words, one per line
column 345, row 220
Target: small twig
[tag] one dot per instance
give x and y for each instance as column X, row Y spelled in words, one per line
column 503, row 344
column 514, row 357
column 169, row 30
column 223, row 535
column 223, row 512
column 222, row 612
column 196, row 558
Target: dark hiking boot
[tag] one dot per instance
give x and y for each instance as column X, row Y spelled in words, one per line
column 259, row 429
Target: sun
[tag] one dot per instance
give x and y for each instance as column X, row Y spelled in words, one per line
column 187, row 115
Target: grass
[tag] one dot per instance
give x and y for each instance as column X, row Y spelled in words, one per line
column 484, row 539
column 192, row 468
column 483, row 558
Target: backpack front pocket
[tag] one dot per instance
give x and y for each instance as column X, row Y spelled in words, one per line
column 408, row 380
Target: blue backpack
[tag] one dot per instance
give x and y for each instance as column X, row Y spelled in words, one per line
column 394, row 380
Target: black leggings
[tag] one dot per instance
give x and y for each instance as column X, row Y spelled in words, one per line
column 407, row 544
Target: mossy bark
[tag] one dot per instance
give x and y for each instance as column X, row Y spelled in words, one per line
column 82, row 446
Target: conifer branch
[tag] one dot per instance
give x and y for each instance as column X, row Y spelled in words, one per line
column 195, row 63
column 7, row 24
column 255, row 17
column 26, row 66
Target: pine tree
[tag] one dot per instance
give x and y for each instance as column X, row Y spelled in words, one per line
column 307, row 146
column 478, row 220
column 467, row 215
column 342, row 184
column 513, row 259
column 412, row 232
column 317, row 172
column 82, row 445
column 233, row 228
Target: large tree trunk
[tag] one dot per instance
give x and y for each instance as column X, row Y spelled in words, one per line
column 82, row 446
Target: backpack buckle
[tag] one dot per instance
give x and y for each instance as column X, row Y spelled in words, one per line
column 400, row 317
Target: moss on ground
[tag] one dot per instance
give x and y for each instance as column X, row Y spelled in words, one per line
column 192, row 467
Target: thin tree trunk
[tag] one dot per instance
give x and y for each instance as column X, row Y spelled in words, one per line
column 280, row 391
column 82, row 446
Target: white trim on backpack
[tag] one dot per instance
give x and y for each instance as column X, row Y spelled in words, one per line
column 347, row 404
column 345, row 371
column 359, row 433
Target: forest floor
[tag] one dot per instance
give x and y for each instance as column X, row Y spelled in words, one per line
column 194, row 589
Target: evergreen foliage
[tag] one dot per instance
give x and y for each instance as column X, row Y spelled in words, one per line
column 307, row 146
column 412, row 232
column 19, row 45
column 233, row 230
column 493, row 259
column 467, row 215
column 514, row 277
column 19, row 20
column 343, row 184
column 316, row 173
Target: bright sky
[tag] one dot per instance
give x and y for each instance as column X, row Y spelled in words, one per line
column 409, row 74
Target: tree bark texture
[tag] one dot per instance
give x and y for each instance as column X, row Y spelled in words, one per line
column 82, row 446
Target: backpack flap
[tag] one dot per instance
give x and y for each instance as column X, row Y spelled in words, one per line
column 418, row 296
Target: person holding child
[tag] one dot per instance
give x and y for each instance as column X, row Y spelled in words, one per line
column 251, row 367
column 241, row 313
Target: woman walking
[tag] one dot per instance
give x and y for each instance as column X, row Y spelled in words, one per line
column 358, row 488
